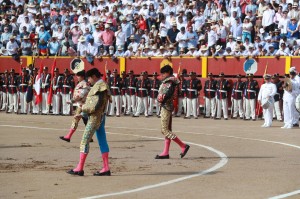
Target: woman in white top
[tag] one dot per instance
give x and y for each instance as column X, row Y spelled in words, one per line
column 163, row 29
column 247, row 28
column 59, row 34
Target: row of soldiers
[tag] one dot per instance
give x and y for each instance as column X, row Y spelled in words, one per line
column 20, row 90
column 137, row 95
column 133, row 95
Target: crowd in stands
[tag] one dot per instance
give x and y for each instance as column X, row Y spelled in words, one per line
column 96, row 28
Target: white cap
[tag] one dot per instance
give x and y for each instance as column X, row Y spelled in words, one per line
column 268, row 38
column 292, row 69
column 262, row 30
column 107, row 25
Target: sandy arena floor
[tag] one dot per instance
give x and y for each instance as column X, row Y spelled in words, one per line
column 227, row 159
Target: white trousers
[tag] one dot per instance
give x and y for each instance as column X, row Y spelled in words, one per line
column 222, row 106
column 23, row 102
column 4, row 101
column 45, row 107
column 192, row 105
column 268, row 115
column 55, row 104
column 66, row 108
column 124, row 103
column 115, row 103
column 289, row 112
column 35, row 108
column 238, row 108
column 277, row 111
column 210, row 106
column 152, row 102
column 13, row 102
column 250, row 108
column 142, row 102
column 131, row 104
column 1, row 101
column 181, row 104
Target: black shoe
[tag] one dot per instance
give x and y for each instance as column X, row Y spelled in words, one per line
column 106, row 173
column 109, row 115
column 195, row 117
column 241, row 118
column 295, row 125
column 65, row 139
column 234, row 118
column 206, row 117
column 135, row 116
column 217, row 118
column 78, row 173
column 253, row 119
column 117, row 115
column 225, row 118
column 187, row 117
column 162, row 157
column 177, row 116
column 159, row 116
column 187, row 147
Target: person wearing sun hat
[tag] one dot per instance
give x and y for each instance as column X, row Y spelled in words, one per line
column 26, row 46
column 266, row 93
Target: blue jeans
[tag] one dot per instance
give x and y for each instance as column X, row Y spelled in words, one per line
column 246, row 35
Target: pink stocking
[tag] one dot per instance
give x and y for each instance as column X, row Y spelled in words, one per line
column 70, row 133
column 180, row 143
column 105, row 163
column 167, row 147
column 81, row 162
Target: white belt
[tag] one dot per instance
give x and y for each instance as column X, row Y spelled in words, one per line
column 4, row 85
column 143, row 89
column 277, row 94
column 195, row 90
column 23, row 85
column 114, row 87
column 238, row 91
column 11, row 86
column 45, row 84
column 130, row 87
column 251, row 91
column 223, row 91
column 153, row 89
column 183, row 89
column 66, row 86
column 211, row 90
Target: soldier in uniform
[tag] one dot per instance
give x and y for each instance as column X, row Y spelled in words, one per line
column 251, row 89
column 22, row 87
column 56, row 85
column 223, row 88
column 154, row 84
column 182, row 95
column 5, row 90
column 210, row 89
column 115, row 86
column 143, row 87
column 123, row 92
column 68, row 85
column 35, row 107
column 13, row 92
column 278, row 97
column 193, row 87
column 131, row 93
column 46, row 80
column 237, row 97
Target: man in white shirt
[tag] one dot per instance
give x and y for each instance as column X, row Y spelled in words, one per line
column 283, row 51
column 96, row 35
column 283, row 24
column 266, row 95
column 181, row 38
column 12, row 46
column 119, row 52
column 82, row 46
column 129, row 52
column 120, row 37
column 267, row 20
column 212, row 36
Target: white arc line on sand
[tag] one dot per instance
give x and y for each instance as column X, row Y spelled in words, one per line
column 220, row 164
column 228, row 136
column 286, row 195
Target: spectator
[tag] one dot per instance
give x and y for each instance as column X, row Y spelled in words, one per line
column 172, row 34
column 12, row 46
column 53, row 47
column 5, row 36
column 82, row 47
column 26, row 46
column 293, row 31
column 107, row 37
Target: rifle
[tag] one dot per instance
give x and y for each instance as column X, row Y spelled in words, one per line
column 232, row 106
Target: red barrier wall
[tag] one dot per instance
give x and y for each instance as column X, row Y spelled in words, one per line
column 230, row 66
column 234, row 66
